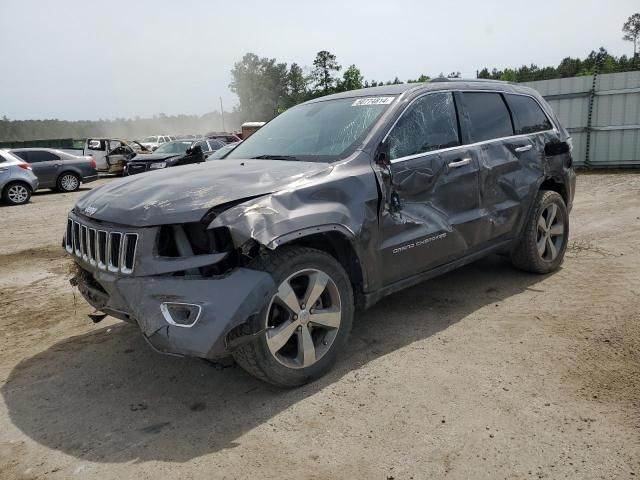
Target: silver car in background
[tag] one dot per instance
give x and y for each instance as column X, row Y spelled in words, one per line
column 58, row 170
column 17, row 181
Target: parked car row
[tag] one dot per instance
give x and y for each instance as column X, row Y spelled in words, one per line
column 153, row 142
column 24, row 170
column 173, row 154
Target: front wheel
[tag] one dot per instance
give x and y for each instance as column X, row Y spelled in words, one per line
column 306, row 323
column 544, row 240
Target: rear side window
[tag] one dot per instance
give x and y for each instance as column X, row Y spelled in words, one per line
column 430, row 123
column 22, row 155
column 528, row 117
column 489, row 116
column 36, row 156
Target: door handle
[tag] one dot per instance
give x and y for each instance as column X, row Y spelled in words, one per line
column 460, row 163
column 3, row 169
column 524, row 148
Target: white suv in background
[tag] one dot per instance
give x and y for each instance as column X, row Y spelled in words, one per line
column 154, row 141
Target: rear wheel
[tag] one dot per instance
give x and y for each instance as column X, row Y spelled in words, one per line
column 16, row 193
column 68, row 182
column 544, row 241
column 306, row 323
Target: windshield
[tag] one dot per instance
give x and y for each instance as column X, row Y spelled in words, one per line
column 151, row 140
column 318, row 132
column 173, row 147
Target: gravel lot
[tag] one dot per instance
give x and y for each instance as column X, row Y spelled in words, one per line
column 486, row 372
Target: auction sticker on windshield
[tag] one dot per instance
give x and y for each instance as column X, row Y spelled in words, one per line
column 373, row 101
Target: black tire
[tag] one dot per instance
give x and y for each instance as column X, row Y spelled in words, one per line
column 11, row 190
column 526, row 255
column 256, row 358
column 68, row 182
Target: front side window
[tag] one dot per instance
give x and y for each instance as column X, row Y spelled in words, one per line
column 488, row 115
column 216, row 144
column 430, row 123
column 203, row 145
column 324, row 131
column 528, row 117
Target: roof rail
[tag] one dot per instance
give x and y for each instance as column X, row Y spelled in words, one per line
column 466, row 80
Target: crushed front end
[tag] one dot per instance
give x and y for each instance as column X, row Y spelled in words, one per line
column 183, row 285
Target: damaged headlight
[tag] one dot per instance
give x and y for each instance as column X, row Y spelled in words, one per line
column 157, row 165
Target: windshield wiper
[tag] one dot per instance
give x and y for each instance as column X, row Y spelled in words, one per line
column 275, row 157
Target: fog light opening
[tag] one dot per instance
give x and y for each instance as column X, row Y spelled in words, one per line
column 180, row 314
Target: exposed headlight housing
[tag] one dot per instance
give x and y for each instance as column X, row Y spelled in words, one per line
column 157, row 165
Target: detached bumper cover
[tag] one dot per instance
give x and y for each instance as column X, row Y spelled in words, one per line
column 225, row 303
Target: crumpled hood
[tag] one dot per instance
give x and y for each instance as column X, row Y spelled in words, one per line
column 187, row 193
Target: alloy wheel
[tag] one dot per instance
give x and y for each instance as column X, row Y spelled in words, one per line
column 303, row 318
column 69, row 182
column 18, row 193
column 550, row 234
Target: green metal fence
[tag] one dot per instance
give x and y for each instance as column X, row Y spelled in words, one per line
column 62, row 143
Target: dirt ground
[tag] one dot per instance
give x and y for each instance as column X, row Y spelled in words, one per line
column 486, row 372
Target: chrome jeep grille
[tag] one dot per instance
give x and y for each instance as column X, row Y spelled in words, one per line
column 105, row 249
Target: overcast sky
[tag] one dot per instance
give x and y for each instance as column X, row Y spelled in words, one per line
column 78, row 59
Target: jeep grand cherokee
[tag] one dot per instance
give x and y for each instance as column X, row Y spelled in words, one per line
column 329, row 207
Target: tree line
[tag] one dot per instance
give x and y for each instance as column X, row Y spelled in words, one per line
column 130, row 128
column 265, row 87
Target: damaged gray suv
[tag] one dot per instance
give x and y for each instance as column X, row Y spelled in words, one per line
column 337, row 202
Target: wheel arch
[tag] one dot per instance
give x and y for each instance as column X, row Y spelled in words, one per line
column 5, row 188
column 69, row 170
column 13, row 182
column 556, row 185
column 335, row 240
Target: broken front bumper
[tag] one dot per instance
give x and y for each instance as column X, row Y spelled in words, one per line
column 181, row 315
column 177, row 312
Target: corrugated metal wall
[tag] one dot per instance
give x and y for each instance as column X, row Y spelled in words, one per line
column 602, row 112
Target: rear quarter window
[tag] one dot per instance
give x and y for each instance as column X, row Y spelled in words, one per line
column 488, row 115
column 528, row 117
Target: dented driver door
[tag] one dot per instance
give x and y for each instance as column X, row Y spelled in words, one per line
column 431, row 198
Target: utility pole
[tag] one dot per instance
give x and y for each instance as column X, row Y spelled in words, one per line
column 224, row 129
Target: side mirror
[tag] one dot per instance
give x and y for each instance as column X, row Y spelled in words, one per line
column 383, row 156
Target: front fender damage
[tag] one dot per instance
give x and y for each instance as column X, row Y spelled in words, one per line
column 274, row 219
